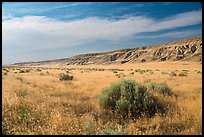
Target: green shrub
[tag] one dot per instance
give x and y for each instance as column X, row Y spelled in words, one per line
column 173, row 73
column 5, row 73
column 90, row 128
column 21, row 93
column 27, row 70
column 5, row 69
column 101, row 69
column 128, row 97
column 165, row 73
column 38, row 69
column 151, row 72
column 20, row 78
column 199, row 72
column 161, row 87
column 42, row 74
column 183, row 73
column 120, row 75
column 140, row 71
column 110, row 131
column 115, row 71
column 132, row 73
column 22, row 71
column 24, row 112
column 185, row 70
column 137, row 70
column 65, row 77
column 67, row 71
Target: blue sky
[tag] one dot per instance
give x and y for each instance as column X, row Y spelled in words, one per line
column 35, row 31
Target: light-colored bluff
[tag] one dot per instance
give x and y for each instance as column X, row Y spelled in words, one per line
column 188, row 49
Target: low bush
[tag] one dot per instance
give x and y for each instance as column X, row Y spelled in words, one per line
column 67, row 71
column 42, row 74
column 199, row 72
column 5, row 73
column 165, row 73
column 183, row 73
column 21, row 93
column 38, row 69
column 120, row 75
column 132, row 73
column 24, row 112
column 100, row 69
column 20, row 78
column 151, row 72
column 65, row 77
column 141, row 71
column 128, row 98
column 27, row 70
column 22, row 71
column 161, row 87
column 115, row 71
column 111, row 131
column 173, row 73
column 5, row 69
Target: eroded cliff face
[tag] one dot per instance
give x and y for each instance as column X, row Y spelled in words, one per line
column 186, row 49
column 189, row 49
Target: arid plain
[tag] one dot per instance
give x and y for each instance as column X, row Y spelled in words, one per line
column 38, row 102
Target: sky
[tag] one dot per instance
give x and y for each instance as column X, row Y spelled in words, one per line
column 37, row 31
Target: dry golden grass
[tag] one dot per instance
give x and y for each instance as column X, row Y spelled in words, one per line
column 37, row 102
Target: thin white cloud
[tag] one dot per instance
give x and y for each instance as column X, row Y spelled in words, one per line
column 67, row 5
column 179, row 20
column 174, row 34
column 68, row 16
column 40, row 32
column 21, row 8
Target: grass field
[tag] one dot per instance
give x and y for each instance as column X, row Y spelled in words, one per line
column 38, row 102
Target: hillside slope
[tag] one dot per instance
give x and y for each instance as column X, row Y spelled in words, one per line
column 188, row 49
